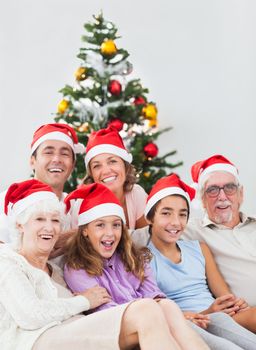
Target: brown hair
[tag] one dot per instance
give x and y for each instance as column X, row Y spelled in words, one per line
column 151, row 214
column 130, row 176
column 80, row 254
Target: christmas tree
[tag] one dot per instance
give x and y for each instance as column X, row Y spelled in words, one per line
column 104, row 96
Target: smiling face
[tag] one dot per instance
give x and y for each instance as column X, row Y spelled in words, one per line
column 169, row 220
column 222, row 209
column 40, row 232
column 104, row 235
column 108, row 170
column 53, row 164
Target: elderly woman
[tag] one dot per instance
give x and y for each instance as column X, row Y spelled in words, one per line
column 37, row 313
column 108, row 162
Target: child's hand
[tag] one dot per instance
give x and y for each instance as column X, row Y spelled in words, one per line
column 96, row 295
column 225, row 303
column 199, row 319
column 242, row 304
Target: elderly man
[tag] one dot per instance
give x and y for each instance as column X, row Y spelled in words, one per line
column 230, row 234
column 52, row 160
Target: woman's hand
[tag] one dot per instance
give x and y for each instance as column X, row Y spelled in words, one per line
column 199, row 319
column 96, row 295
column 225, row 303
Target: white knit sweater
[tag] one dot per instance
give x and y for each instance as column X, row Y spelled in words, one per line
column 29, row 303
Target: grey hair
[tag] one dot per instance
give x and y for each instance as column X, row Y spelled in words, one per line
column 45, row 206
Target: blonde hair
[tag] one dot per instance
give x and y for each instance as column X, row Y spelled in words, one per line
column 80, row 254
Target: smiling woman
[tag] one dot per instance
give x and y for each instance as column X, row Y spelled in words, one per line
column 109, row 163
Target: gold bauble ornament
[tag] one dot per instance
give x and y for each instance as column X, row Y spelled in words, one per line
column 62, row 106
column 80, row 74
column 108, row 48
column 152, row 123
column 150, row 111
column 147, row 174
column 83, row 128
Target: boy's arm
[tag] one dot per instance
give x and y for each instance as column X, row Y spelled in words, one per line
column 225, row 300
column 215, row 280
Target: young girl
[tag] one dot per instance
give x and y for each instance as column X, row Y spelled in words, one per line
column 183, row 268
column 102, row 253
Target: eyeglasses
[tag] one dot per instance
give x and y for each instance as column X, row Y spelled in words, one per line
column 229, row 189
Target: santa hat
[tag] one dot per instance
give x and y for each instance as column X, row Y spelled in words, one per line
column 201, row 169
column 22, row 195
column 98, row 201
column 59, row 132
column 106, row 141
column 167, row 186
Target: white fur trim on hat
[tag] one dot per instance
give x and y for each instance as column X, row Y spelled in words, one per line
column 55, row 135
column 26, row 202
column 168, row 191
column 107, row 148
column 99, row 211
column 217, row 167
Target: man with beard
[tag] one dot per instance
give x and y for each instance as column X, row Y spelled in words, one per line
column 229, row 233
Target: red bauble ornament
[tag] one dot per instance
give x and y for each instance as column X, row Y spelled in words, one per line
column 151, row 150
column 117, row 124
column 139, row 100
column 114, row 87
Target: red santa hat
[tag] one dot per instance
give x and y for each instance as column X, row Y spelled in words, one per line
column 167, row 186
column 98, row 201
column 106, row 141
column 59, row 132
column 22, row 195
column 201, row 169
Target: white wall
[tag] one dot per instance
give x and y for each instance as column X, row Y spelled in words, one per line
column 196, row 57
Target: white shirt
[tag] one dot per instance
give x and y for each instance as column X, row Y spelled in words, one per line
column 234, row 251
column 29, row 303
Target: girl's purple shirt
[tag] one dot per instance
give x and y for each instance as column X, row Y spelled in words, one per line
column 123, row 286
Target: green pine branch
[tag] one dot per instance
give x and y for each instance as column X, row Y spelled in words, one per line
column 111, row 106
